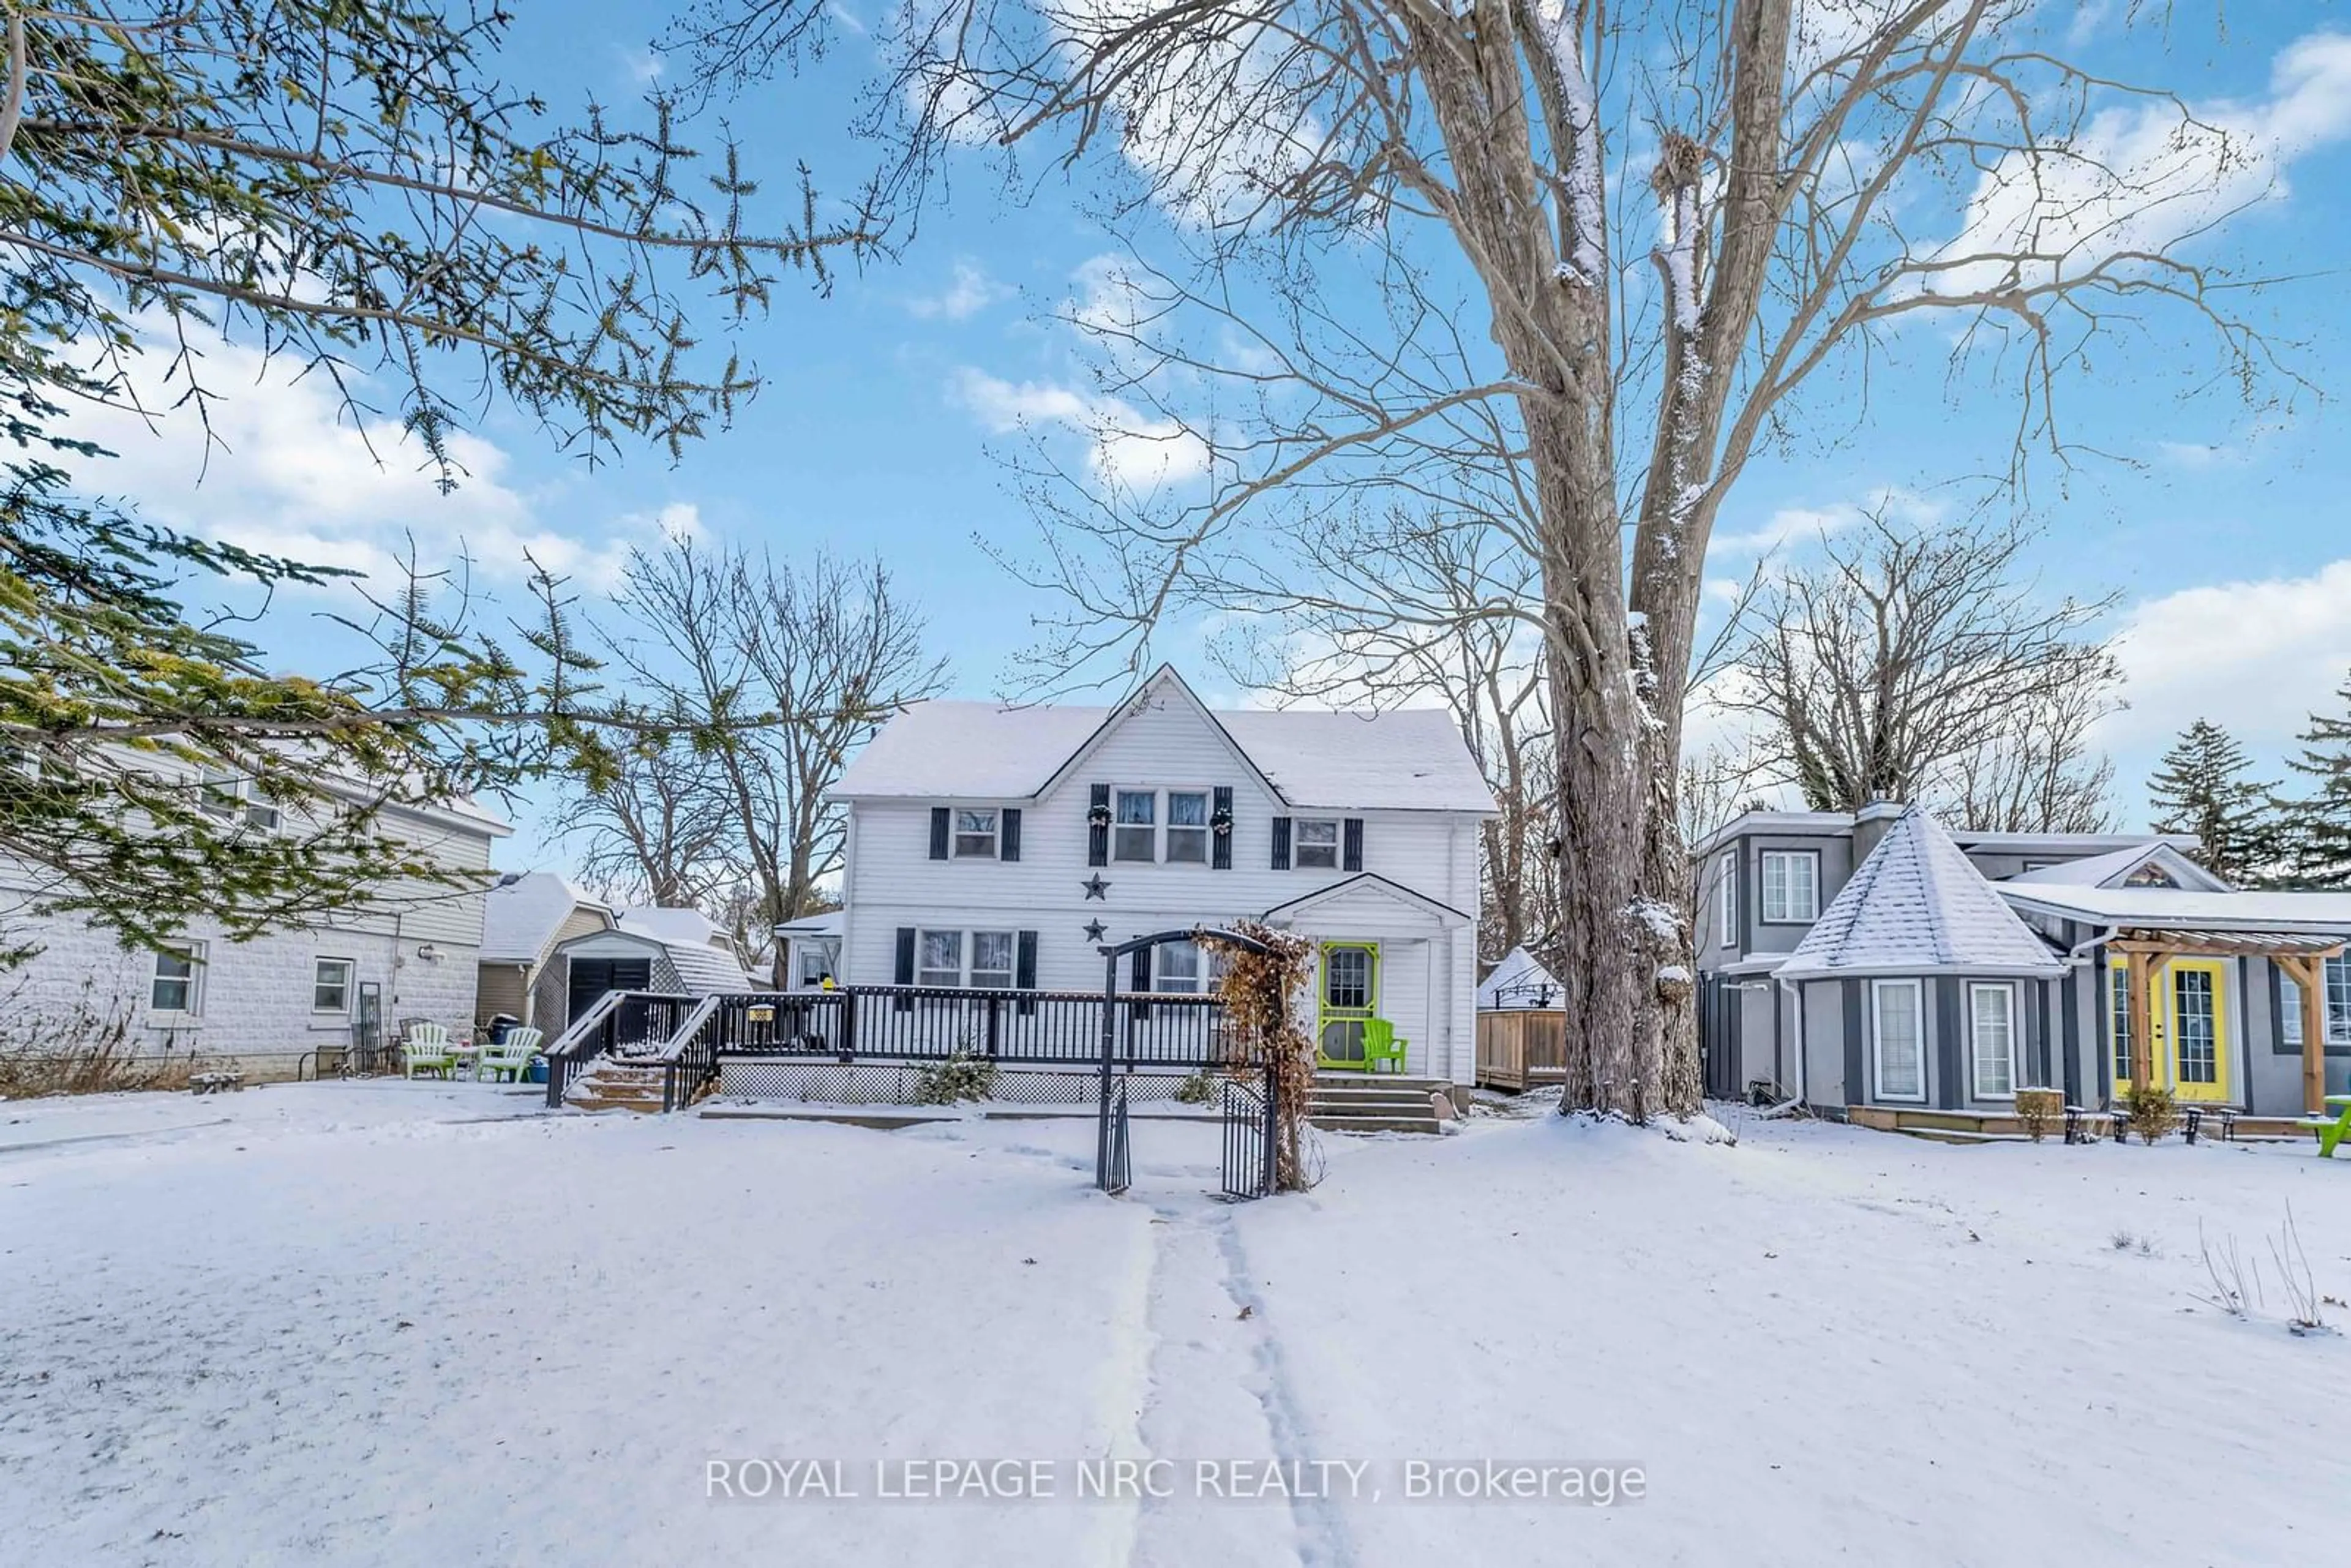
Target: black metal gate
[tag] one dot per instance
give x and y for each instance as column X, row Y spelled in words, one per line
column 1112, row 1170
column 1248, row 1140
column 1117, row 1173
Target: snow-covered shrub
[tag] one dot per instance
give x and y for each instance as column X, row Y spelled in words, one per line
column 2039, row 1110
column 2149, row 1111
column 960, row 1077
column 1197, row 1089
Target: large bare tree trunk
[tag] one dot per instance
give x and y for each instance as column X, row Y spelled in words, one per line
column 1402, row 141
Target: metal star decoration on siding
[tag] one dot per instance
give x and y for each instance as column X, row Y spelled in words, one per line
column 1095, row 886
column 1095, row 929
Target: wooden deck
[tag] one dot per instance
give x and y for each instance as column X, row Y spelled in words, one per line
column 1998, row 1127
column 1519, row 1048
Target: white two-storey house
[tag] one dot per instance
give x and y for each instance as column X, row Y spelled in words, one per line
column 1003, row 847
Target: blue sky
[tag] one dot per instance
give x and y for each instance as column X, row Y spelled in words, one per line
column 888, row 405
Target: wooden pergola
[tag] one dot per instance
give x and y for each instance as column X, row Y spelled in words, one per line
column 2302, row 954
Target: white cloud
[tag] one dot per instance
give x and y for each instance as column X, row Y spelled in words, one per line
column 968, row 292
column 1789, row 524
column 1810, row 524
column 2137, row 177
column 290, row 472
column 2258, row 657
column 1130, row 449
column 645, row 66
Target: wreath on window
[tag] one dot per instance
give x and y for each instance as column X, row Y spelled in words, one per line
column 1098, row 816
column 1221, row 825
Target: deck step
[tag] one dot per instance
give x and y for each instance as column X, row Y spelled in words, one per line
column 608, row 1085
column 1426, row 1122
column 1963, row 1135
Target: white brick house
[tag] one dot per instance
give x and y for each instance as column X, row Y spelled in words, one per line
column 262, row 1005
column 994, row 847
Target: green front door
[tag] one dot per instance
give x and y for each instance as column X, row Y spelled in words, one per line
column 1349, row 998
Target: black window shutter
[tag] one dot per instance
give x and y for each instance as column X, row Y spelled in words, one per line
column 1009, row 845
column 1281, row 843
column 1139, row 979
column 1220, row 845
column 906, row 969
column 1351, row 848
column 938, row 832
column 1097, row 832
column 1024, row 968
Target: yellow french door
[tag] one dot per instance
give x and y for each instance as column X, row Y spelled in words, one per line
column 2191, row 1052
column 2196, row 997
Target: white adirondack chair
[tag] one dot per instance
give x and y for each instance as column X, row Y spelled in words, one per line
column 426, row 1050
column 509, row 1060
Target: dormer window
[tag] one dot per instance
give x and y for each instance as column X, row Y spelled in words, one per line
column 975, row 834
column 1318, row 844
column 1134, row 834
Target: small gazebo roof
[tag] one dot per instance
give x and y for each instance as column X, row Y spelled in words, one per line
column 1519, row 980
column 1917, row 905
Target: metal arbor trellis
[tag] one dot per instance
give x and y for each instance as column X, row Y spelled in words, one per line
column 1250, row 1120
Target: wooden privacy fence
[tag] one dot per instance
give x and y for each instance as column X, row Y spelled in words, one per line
column 1520, row 1047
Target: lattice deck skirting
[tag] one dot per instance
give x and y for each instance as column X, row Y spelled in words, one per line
column 830, row 1081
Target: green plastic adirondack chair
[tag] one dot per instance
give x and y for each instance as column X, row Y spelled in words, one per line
column 506, row 1061
column 426, row 1050
column 1381, row 1044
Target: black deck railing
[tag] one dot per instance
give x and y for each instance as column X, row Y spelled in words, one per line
column 620, row 1023
column 926, row 1023
column 692, row 1036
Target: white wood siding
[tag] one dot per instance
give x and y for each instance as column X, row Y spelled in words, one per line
column 892, row 881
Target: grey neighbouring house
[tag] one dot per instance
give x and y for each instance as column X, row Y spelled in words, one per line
column 1873, row 965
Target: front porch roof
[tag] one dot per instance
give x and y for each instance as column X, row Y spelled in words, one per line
column 2189, row 941
column 1373, row 883
column 2177, row 908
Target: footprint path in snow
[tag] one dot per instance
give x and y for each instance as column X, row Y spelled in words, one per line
column 1214, row 1389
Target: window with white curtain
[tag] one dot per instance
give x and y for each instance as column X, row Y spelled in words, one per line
column 1137, row 835
column 1176, row 966
column 939, row 959
column 1187, row 826
column 992, row 960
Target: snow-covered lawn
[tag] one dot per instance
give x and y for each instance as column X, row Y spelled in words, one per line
column 404, row 1324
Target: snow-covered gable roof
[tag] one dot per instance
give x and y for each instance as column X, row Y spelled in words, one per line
column 705, row 970
column 1918, row 905
column 1403, row 760
column 2160, row 908
column 2116, row 868
column 521, row 916
column 1519, row 981
column 672, row 927
column 1410, row 759
column 704, row 958
column 831, row 923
